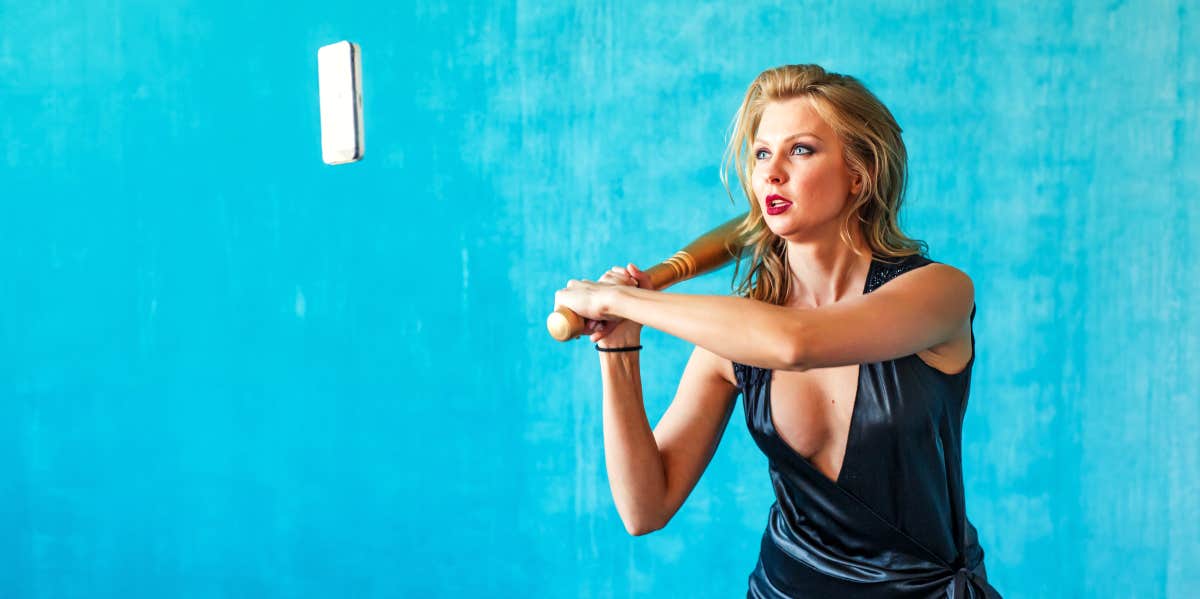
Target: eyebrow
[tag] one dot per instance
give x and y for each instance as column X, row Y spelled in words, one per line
column 791, row 137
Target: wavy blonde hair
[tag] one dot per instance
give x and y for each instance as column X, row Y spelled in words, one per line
column 874, row 152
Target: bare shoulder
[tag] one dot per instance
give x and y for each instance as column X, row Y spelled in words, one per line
column 952, row 278
column 939, row 276
column 942, row 286
column 956, row 285
column 951, row 291
column 924, row 309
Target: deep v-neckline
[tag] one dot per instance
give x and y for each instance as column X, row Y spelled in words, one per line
column 770, row 412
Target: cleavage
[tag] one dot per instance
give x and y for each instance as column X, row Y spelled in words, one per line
column 811, row 412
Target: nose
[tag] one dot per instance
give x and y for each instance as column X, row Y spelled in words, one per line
column 773, row 172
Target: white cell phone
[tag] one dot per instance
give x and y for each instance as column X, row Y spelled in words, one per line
column 339, row 78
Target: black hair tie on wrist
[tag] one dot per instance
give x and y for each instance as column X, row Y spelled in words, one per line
column 618, row 349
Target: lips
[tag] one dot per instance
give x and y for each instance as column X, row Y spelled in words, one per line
column 777, row 204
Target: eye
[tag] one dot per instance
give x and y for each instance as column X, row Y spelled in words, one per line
column 796, row 149
column 761, row 154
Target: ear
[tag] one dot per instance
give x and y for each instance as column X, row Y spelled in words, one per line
column 855, row 183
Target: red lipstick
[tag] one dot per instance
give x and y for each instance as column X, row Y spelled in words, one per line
column 777, row 204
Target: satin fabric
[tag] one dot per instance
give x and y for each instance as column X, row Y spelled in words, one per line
column 893, row 524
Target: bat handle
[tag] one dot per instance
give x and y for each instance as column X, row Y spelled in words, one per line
column 564, row 324
column 709, row 252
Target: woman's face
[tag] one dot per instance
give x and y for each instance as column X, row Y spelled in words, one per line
column 800, row 178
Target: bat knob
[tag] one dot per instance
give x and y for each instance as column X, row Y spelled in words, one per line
column 564, row 324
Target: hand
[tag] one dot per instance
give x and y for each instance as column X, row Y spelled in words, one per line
column 620, row 331
column 586, row 298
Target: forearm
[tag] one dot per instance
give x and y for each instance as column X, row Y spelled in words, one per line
column 635, row 468
column 738, row 329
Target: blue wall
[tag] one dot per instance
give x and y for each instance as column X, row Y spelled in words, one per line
column 227, row 369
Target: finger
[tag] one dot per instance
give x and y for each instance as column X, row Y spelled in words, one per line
column 597, row 331
column 620, row 275
column 640, row 276
column 602, row 331
column 618, row 279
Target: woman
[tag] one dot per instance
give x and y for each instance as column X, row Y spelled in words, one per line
column 852, row 351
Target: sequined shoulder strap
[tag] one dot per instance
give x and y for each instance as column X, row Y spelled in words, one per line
column 886, row 269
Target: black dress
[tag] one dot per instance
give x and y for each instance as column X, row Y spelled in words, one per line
column 893, row 524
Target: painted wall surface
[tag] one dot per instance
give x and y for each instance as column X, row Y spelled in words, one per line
column 229, row 370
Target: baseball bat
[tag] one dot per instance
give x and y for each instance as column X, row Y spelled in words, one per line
column 706, row 253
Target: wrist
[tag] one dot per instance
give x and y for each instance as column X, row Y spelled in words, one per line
column 628, row 339
column 614, row 301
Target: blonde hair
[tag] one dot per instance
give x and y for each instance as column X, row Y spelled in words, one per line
column 874, row 152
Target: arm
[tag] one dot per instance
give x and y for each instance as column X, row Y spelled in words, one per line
column 652, row 473
column 913, row 312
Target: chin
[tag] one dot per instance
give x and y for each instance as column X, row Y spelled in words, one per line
column 796, row 233
column 787, row 220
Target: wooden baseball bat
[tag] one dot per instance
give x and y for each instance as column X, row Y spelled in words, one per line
column 707, row 253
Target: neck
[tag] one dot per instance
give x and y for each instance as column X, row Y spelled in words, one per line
column 825, row 270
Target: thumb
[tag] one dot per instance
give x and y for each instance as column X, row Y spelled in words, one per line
column 639, row 275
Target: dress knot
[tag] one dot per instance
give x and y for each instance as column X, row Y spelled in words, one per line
column 961, row 577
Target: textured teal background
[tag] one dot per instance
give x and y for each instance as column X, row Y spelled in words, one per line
column 228, row 370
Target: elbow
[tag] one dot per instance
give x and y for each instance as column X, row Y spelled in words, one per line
column 637, row 528
column 642, row 524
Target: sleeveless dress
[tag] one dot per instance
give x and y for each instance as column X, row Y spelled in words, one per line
column 894, row 523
